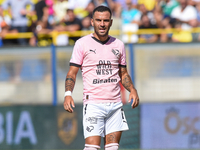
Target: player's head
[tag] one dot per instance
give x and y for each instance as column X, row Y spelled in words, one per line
column 101, row 21
column 102, row 8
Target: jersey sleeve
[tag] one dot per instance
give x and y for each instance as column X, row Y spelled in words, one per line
column 122, row 60
column 77, row 55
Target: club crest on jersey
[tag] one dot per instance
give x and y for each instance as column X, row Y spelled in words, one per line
column 89, row 128
column 115, row 52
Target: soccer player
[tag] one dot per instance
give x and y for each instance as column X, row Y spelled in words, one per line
column 102, row 60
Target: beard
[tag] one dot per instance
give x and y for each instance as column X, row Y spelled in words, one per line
column 98, row 33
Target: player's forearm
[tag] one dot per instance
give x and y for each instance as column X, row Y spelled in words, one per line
column 127, row 82
column 69, row 83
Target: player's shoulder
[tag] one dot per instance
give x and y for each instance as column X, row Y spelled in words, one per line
column 84, row 38
column 116, row 40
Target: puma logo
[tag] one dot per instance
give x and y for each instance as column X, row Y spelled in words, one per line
column 94, row 51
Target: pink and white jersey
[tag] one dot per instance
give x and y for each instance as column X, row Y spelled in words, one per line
column 99, row 63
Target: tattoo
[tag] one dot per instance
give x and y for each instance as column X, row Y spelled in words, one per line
column 126, row 79
column 69, row 83
column 69, row 79
column 127, row 82
column 111, row 138
column 121, row 72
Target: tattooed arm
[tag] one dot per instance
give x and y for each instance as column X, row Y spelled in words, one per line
column 128, row 85
column 69, row 86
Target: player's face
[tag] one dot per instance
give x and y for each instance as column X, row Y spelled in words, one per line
column 102, row 23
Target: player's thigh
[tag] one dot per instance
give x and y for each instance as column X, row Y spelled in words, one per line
column 93, row 140
column 116, row 121
column 93, row 122
column 113, row 137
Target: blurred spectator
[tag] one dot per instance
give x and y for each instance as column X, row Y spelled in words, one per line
column 149, row 4
column 183, row 17
column 158, row 16
column 181, row 35
column 79, row 7
column 90, row 7
column 193, row 2
column 198, row 13
column 60, row 8
column 130, row 21
column 86, row 24
column 130, row 15
column 41, row 28
column 198, row 19
column 71, row 24
column 41, row 25
column 41, row 10
column 166, row 22
column 144, row 11
column 19, row 12
column 167, row 6
column 100, row 2
column 112, row 4
column 50, row 4
column 74, row 15
column 121, row 5
column 146, row 24
column 5, row 23
column 186, row 14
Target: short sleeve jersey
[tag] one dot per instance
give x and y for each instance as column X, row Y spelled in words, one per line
column 99, row 64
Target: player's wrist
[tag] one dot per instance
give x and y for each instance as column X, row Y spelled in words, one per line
column 68, row 93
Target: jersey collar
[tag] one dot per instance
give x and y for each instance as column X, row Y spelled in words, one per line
column 101, row 42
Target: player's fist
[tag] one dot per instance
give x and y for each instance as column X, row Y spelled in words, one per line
column 68, row 104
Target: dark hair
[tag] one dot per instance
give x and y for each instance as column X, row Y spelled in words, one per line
column 69, row 10
column 144, row 15
column 102, row 8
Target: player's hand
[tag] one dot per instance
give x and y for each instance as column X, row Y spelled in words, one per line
column 134, row 98
column 68, row 104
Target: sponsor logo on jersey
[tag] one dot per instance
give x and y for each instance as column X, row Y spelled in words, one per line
column 104, row 67
column 67, row 127
column 92, row 120
column 94, row 51
column 100, row 81
column 89, row 128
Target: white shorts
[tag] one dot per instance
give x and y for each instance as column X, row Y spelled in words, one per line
column 103, row 118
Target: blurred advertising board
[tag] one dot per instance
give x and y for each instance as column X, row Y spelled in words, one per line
column 170, row 125
column 51, row 127
column 170, row 69
column 39, row 127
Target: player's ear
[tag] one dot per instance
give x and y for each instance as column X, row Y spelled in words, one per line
column 111, row 21
column 92, row 22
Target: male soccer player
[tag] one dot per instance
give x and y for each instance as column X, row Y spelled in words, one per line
column 102, row 60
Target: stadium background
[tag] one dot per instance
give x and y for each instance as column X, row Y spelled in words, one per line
column 166, row 75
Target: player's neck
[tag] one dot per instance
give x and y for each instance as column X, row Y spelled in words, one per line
column 102, row 39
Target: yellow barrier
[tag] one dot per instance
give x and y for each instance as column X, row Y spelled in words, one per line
column 54, row 34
